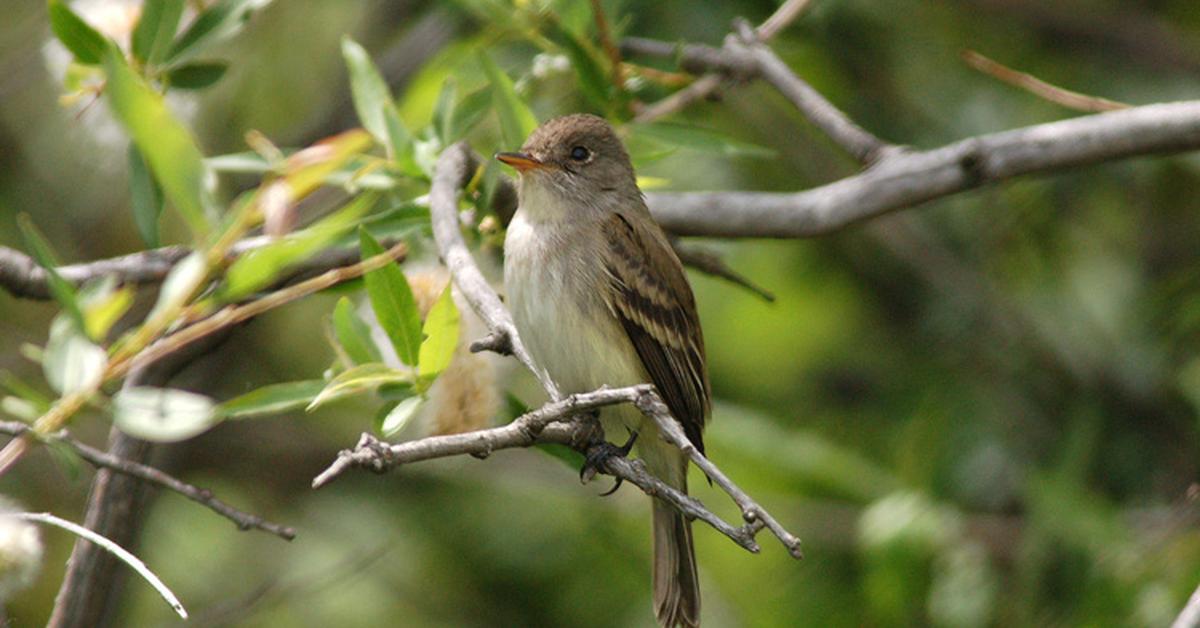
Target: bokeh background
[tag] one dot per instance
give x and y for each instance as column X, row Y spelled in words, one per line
column 983, row 411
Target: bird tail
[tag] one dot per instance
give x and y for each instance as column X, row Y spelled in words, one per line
column 676, row 585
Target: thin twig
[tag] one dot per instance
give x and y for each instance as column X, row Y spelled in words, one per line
column 117, row 550
column 1038, row 87
column 711, row 263
column 1189, row 617
column 21, row 276
column 707, row 85
column 550, row 424
column 614, row 54
column 203, row 496
column 234, row 314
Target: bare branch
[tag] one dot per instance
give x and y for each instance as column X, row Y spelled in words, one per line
column 22, row 277
column 1189, row 617
column 1038, row 87
column 452, row 168
column 905, row 179
column 550, row 424
column 151, row 475
column 710, row 263
column 707, row 85
column 117, row 550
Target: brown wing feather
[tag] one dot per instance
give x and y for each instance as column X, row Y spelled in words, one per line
column 652, row 299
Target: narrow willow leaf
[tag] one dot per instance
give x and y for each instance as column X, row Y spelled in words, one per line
column 163, row 415
column 393, row 303
column 78, row 36
column 62, row 291
column 259, row 267
column 72, row 362
column 220, row 21
column 358, row 379
column 400, row 142
column 306, row 169
column 164, row 142
column 102, row 313
column 400, row 416
column 353, row 334
column 175, row 287
column 443, row 110
column 146, row 197
column 593, row 81
column 469, row 111
column 272, row 399
column 155, row 29
column 197, row 75
column 516, row 119
column 697, row 138
column 368, row 89
column 441, row 336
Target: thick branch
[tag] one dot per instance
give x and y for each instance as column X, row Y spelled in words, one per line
column 906, row 179
column 550, row 424
column 151, row 475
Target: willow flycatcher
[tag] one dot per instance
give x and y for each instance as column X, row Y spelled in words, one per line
column 600, row 299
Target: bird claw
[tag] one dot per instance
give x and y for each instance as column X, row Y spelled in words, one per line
column 598, row 453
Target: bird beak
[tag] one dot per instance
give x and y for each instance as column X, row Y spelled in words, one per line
column 523, row 162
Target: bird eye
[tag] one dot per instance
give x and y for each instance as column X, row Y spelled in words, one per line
column 580, row 153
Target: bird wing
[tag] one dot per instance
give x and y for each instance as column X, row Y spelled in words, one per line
column 651, row 297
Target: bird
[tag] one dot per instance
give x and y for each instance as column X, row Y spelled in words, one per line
column 599, row 298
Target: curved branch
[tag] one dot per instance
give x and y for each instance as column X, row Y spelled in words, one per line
column 909, row 178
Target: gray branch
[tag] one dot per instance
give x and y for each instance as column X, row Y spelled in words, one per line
column 908, row 178
column 132, row 468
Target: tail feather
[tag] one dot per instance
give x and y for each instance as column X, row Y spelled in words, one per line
column 676, row 585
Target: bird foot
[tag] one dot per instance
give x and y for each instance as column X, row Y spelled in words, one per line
column 598, row 453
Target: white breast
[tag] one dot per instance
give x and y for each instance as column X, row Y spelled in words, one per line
column 553, row 285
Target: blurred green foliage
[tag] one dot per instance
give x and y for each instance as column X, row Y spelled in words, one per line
column 979, row 412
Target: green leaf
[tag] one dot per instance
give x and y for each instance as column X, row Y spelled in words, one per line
column 220, row 21
column 60, row 289
column 197, row 75
column 145, row 196
column 353, row 334
column 443, row 110
column 164, row 142
column 103, row 312
column 258, row 267
column 163, row 415
column 516, row 119
column 176, row 287
column 78, row 36
column 400, row 142
column 358, row 379
column 697, row 138
column 469, row 111
column 400, row 416
column 393, row 303
column 562, row 453
column 370, row 92
column 72, row 362
column 272, row 399
column 441, row 336
column 155, row 29
column 593, row 81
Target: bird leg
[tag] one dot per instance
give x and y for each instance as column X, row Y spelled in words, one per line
column 600, row 451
